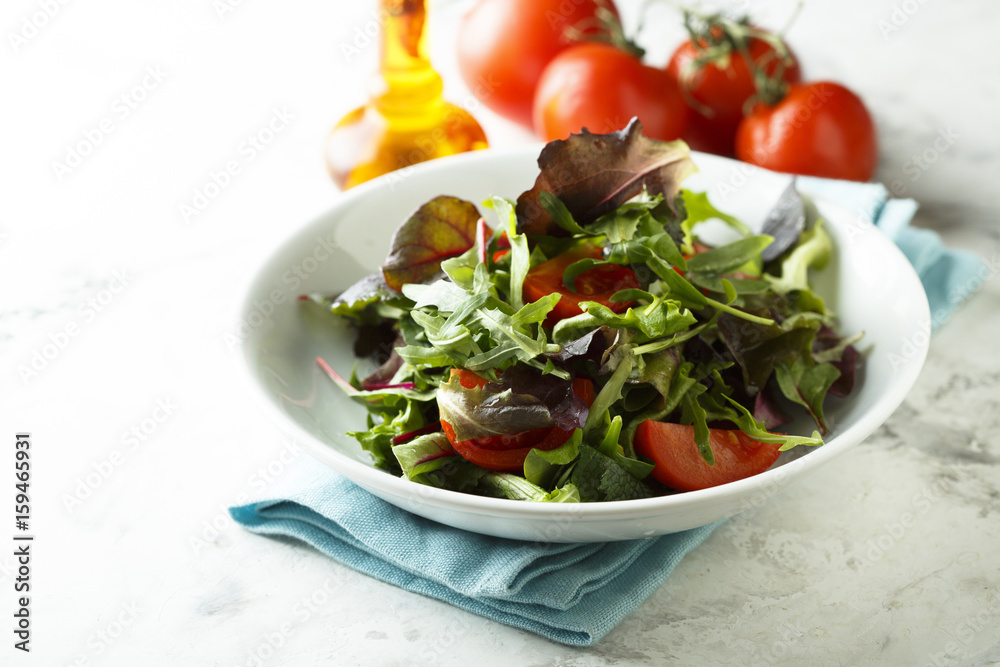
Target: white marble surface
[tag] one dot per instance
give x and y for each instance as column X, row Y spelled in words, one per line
column 144, row 567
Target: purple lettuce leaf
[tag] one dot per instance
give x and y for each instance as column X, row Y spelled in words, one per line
column 593, row 174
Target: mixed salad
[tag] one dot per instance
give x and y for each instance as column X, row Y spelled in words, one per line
column 591, row 347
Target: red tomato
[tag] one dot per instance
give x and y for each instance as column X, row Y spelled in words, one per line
column 818, row 129
column 503, row 46
column 507, row 452
column 672, row 449
column 721, row 90
column 600, row 87
column 597, row 284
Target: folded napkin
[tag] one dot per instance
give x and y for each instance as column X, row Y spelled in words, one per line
column 949, row 276
column 570, row 593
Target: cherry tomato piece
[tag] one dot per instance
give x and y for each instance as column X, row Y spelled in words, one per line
column 597, row 284
column 679, row 465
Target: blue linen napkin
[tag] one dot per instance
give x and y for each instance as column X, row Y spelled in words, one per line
column 569, row 593
column 949, row 276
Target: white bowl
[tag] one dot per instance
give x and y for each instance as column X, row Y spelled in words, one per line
column 870, row 285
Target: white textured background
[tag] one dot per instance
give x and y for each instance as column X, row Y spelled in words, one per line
column 820, row 575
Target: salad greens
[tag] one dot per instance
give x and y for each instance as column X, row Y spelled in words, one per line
column 480, row 362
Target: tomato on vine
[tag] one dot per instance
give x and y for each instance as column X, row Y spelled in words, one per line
column 503, row 46
column 815, row 129
column 720, row 69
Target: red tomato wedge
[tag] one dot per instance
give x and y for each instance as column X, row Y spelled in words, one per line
column 597, row 284
column 672, row 449
column 507, row 452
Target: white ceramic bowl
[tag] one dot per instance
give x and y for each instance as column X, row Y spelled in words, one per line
column 870, row 285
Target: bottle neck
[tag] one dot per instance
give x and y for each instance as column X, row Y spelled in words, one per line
column 408, row 80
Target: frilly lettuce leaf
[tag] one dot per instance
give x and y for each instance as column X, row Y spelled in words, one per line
column 593, row 174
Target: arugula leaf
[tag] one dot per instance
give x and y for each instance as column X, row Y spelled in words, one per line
column 659, row 319
column 740, row 285
column 693, row 413
column 560, row 214
column 441, row 228
column 515, row 487
column 520, row 257
column 610, row 393
column 756, row 430
column 699, row 210
column 462, row 269
column 577, row 268
column 807, row 385
column 444, row 295
column 609, row 447
column 593, row 174
column 619, row 225
column 727, row 258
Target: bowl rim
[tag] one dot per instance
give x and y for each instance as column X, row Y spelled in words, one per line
column 366, row 475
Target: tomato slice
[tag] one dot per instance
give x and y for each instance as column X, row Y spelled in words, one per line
column 507, row 452
column 672, row 449
column 597, row 284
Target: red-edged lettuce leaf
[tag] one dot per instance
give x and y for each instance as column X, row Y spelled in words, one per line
column 384, row 373
column 443, row 227
column 593, row 174
column 522, row 400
